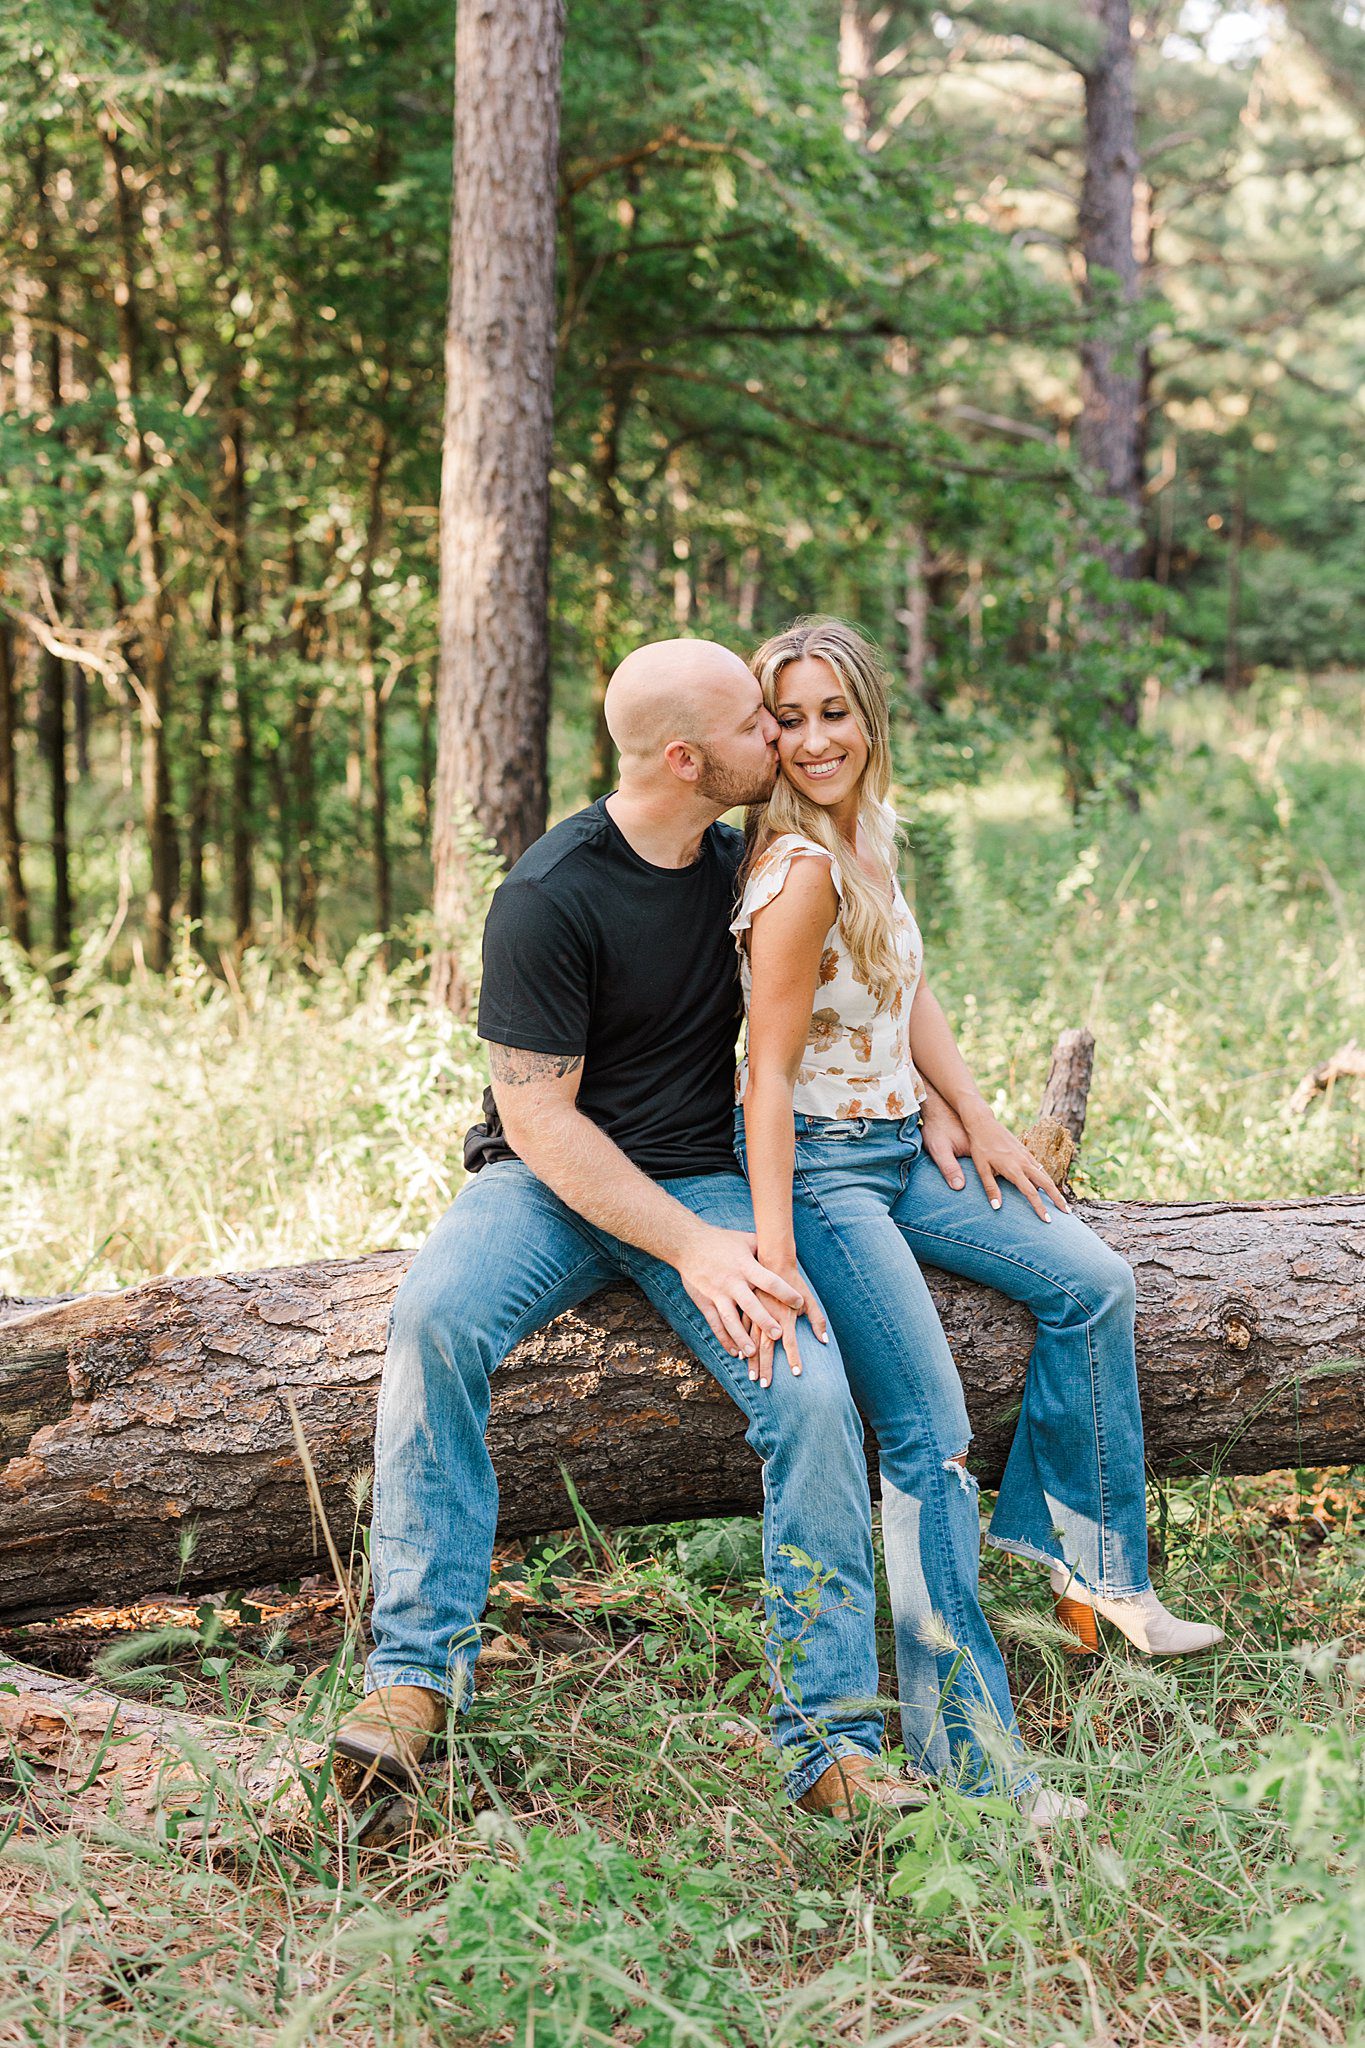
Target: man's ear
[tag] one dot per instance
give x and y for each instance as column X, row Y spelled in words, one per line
column 681, row 757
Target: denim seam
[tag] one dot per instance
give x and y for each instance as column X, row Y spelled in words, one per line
column 1101, row 1445
column 1041, row 1273
column 940, row 1511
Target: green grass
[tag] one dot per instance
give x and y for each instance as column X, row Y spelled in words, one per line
column 607, row 1861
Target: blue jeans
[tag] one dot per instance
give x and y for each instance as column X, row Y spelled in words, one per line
column 868, row 1207
column 508, row 1256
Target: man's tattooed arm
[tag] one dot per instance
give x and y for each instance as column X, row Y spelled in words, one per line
column 536, row 1096
column 513, row 1068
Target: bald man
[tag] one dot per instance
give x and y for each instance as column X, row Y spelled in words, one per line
column 610, row 1004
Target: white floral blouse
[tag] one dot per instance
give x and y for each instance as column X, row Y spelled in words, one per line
column 857, row 1060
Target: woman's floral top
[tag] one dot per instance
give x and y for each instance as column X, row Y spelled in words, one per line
column 857, row 1060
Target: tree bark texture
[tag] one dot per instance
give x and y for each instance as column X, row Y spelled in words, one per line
column 14, row 902
column 232, row 590
column 1109, row 433
column 150, row 1446
column 1066, row 1094
column 493, row 676
column 150, row 613
column 93, row 1756
column 607, row 575
column 54, row 692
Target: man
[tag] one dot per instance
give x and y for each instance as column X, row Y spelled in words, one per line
column 610, row 1006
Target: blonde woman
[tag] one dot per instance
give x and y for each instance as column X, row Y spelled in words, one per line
column 844, row 1033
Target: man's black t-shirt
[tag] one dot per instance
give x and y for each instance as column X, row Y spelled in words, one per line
column 590, row 950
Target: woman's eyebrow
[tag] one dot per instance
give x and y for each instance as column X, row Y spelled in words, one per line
column 788, row 705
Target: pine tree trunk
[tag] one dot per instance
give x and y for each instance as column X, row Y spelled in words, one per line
column 373, row 701
column 150, row 1444
column 53, row 688
column 150, row 613
column 493, row 678
column 16, row 918
column 236, row 683
column 1109, row 432
column 611, row 541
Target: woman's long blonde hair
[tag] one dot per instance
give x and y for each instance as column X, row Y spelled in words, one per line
column 865, row 916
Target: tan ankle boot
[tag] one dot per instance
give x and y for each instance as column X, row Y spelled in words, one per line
column 859, row 1784
column 389, row 1732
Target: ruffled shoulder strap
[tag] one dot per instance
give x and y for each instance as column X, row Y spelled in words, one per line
column 770, row 874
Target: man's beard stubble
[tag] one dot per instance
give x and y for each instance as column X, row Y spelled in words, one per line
column 722, row 785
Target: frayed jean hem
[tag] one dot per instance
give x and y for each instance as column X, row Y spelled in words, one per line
column 805, row 1775
column 456, row 1688
column 1017, row 1547
column 809, row 1773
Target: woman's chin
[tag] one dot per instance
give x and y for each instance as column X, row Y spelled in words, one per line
column 815, row 792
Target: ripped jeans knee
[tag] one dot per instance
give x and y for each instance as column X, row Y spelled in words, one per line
column 966, row 1480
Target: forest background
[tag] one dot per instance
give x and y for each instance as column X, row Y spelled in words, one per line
column 824, row 314
column 845, row 303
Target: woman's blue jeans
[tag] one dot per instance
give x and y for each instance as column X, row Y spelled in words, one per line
column 869, row 1207
column 506, row 1258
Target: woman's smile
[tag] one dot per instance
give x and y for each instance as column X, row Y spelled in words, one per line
column 829, row 766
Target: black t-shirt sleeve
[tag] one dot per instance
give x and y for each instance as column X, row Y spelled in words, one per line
column 537, row 973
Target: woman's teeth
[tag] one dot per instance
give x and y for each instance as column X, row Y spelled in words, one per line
column 822, row 768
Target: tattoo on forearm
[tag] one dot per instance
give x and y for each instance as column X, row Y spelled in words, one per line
column 513, row 1067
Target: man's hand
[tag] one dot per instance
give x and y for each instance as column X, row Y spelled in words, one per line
column 945, row 1138
column 722, row 1274
column 998, row 1155
column 761, row 1364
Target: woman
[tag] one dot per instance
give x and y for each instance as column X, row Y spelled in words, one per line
column 843, row 1034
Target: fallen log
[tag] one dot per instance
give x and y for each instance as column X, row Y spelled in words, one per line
column 150, row 1444
column 74, row 1755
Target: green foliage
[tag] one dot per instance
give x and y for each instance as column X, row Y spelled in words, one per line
column 1211, row 942
column 604, row 1856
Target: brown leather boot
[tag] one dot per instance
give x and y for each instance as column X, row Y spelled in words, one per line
column 389, row 1732
column 858, row 1785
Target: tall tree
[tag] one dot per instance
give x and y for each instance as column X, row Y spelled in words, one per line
column 150, row 612
column 1109, row 431
column 493, row 675
column 15, row 898
column 52, row 717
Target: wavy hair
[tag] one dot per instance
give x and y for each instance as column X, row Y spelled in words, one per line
column 865, row 916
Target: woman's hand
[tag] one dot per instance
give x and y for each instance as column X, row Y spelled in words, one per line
column 761, row 1364
column 998, row 1155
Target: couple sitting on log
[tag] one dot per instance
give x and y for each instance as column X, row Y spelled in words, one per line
column 781, row 1237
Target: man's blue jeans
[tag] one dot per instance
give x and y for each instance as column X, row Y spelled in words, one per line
column 507, row 1257
column 869, row 1206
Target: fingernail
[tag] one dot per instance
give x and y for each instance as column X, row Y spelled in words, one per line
column 1047, row 1215
column 995, row 1201
column 753, row 1375
column 824, row 1339
column 959, row 1183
